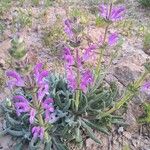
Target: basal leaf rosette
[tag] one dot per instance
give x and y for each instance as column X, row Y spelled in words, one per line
column 30, row 113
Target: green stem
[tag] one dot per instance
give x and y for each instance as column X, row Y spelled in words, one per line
column 39, row 116
column 128, row 95
column 99, row 62
column 98, row 68
column 103, row 43
column 77, row 100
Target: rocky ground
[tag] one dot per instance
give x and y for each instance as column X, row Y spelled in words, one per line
column 125, row 69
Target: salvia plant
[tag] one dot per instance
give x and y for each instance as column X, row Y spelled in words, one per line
column 47, row 111
column 18, row 55
column 17, row 50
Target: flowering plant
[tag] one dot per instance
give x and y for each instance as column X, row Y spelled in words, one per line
column 48, row 111
column 30, row 112
column 92, row 102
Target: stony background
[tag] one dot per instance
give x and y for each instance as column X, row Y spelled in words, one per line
column 125, row 69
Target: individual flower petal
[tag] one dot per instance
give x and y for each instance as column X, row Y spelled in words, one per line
column 21, row 107
column 69, row 32
column 71, row 79
column 41, row 77
column 87, row 78
column 68, row 23
column 41, row 135
column 43, row 91
column 40, row 74
column 37, row 69
column 88, row 52
column 15, row 80
column 32, row 115
column 104, row 11
column 117, row 13
column 50, row 117
column 48, row 104
column 113, row 39
column 20, row 98
column 38, row 132
column 146, row 87
column 35, row 132
column 68, row 28
column 68, row 57
column 21, row 104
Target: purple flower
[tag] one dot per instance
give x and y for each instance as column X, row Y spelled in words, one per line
column 40, row 74
column 21, row 108
column 37, row 69
column 88, row 52
column 104, row 11
column 32, row 115
column 48, row 104
column 49, row 110
column 43, row 91
column 113, row 39
column 146, row 87
column 71, row 78
column 21, row 104
column 69, row 32
column 116, row 13
column 68, row 56
column 50, row 117
column 15, row 80
column 68, row 23
column 38, row 132
column 68, row 28
column 87, row 78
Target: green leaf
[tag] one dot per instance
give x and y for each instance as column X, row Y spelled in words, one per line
column 33, row 145
column 5, row 109
column 48, row 145
column 126, row 147
column 12, row 121
column 83, row 104
column 59, row 145
column 15, row 133
column 78, row 135
column 118, row 122
column 99, row 103
column 18, row 146
column 97, row 127
column 3, row 133
column 89, row 132
column 68, row 102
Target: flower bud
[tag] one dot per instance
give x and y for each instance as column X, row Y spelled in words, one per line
column 8, row 102
column 18, row 50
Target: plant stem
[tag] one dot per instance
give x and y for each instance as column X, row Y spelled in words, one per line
column 39, row 116
column 103, row 43
column 128, row 95
column 77, row 100
column 101, row 55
